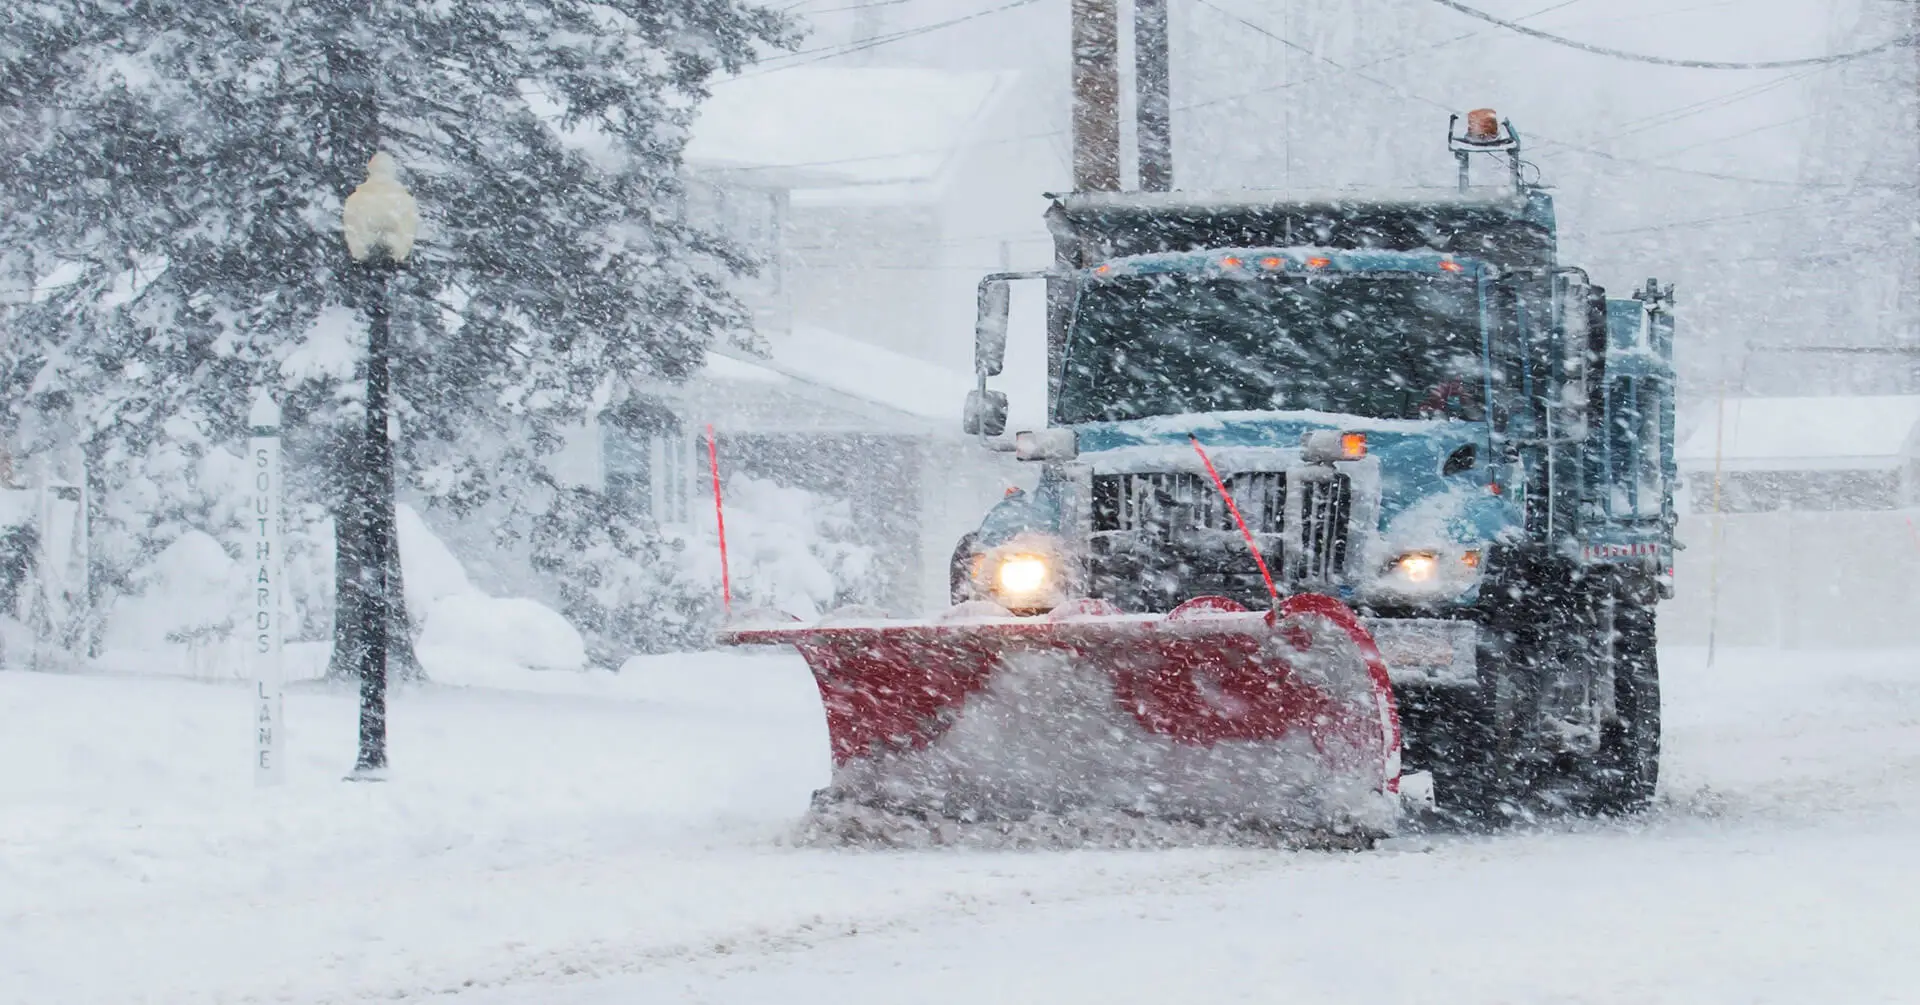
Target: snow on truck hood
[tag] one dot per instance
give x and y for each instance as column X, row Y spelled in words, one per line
column 1406, row 456
column 1262, row 429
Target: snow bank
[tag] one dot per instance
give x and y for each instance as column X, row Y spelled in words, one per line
column 190, row 594
column 181, row 620
column 475, row 639
column 431, row 571
column 791, row 550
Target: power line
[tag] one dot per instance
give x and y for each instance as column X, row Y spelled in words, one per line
column 1704, row 221
column 1602, row 154
column 1297, row 47
column 1671, row 115
column 1717, row 140
column 857, row 6
column 832, row 51
column 1696, row 172
column 1691, row 64
column 1389, row 58
column 1564, row 145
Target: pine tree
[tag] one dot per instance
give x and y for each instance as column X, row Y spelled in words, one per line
column 182, row 165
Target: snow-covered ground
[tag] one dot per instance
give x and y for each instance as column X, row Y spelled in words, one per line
column 595, row 839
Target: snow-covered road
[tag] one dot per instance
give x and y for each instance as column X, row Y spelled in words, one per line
column 593, row 840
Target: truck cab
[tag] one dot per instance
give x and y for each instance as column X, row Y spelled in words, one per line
column 1403, row 401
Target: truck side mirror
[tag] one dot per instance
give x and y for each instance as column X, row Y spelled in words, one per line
column 990, row 327
column 986, row 413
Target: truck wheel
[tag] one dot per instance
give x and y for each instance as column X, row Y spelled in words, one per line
column 1473, row 746
column 1456, row 744
column 1626, row 769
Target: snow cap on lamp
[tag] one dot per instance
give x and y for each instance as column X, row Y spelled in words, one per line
column 381, row 213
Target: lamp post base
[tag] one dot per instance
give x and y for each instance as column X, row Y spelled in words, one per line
column 367, row 775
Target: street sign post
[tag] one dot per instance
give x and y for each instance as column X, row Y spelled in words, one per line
column 265, row 635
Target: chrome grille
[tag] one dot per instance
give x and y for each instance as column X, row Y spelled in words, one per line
column 1326, row 506
column 1179, row 501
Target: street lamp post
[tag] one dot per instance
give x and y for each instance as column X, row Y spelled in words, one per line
column 378, row 222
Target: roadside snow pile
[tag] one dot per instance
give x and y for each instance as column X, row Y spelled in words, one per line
column 188, row 600
column 466, row 636
column 189, row 594
column 791, row 550
column 475, row 639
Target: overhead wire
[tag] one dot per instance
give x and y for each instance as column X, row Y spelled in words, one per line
column 791, row 60
column 1562, row 144
column 1667, row 117
column 1390, row 57
column 1691, row 64
column 1714, row 141
column 858, row 6
column 1575, row 147
column 1303, row 50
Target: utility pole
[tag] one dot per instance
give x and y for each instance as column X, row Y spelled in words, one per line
column 1153, row 90
column 1912, row 337
column 1096, row 95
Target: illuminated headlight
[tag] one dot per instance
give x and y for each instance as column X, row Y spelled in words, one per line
column 1417, row 566
column 1021, row 575
column 1431, row 570
column 1027, row 573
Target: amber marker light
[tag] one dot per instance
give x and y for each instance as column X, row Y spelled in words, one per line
column 1483, row 126
column 1353, row 446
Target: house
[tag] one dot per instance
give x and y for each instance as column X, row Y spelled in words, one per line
column 873, row 199
column 877, row 197
column 1805, row 453
column 847, row 422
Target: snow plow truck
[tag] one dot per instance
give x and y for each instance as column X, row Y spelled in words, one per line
column 1331, row 489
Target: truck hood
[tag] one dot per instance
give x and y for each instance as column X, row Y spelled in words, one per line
column 1260, row 429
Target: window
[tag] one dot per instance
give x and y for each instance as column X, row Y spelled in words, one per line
column 1397, row 346
column 650, row 473
column 671, row 458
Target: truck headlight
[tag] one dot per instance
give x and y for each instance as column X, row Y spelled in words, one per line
column 1434, row 571
column 1023, row 575
column 1029, row 573
column 1417, row 566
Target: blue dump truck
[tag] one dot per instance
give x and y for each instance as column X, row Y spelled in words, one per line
column 1438, row 458
column 1417, row 407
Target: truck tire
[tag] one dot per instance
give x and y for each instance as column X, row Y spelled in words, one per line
column 1626, row 769
column 1475, row 772
column 1454, row 737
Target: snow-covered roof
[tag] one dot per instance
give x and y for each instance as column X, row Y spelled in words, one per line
column 882, row 376
column 855, row 369
column 1822, row 433
column 877, row 131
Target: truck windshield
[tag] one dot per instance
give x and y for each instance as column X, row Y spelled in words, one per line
column 1402, row 346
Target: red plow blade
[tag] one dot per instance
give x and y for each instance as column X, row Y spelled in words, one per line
column 1278, row 720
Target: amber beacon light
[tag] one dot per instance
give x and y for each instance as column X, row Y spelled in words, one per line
column 1483, row 126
